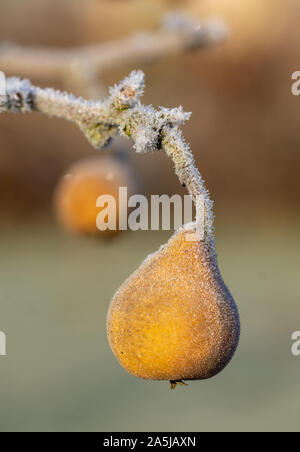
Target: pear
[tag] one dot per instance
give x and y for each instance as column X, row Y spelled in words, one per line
column 75, row 200
column 174, row 318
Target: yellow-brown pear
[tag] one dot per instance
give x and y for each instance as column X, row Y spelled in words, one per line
column 174, row 318
column 76, row 195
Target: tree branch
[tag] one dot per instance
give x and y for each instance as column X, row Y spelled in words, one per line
column 123, row 113
column 83, row 65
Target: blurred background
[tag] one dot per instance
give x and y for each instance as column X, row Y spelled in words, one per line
column 55, row 287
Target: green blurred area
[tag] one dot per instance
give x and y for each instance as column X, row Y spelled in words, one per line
column 60, row 374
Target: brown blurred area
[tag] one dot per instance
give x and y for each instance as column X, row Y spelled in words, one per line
column 244, row 129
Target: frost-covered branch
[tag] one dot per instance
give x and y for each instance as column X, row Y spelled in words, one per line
column 82, row 66
column 121, row 112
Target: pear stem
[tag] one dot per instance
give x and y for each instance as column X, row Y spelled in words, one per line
column 188, row 174
column 174, row 383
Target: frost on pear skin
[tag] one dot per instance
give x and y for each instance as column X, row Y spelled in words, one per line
column 174, row 318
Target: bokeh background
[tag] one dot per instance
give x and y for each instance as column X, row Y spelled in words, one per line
column 59, row 373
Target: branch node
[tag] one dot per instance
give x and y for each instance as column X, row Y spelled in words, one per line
column 127, row 93
column 19, row 96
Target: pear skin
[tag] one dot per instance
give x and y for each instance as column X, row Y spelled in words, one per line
column 174, row 318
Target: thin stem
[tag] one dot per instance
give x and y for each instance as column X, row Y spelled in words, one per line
column 188, row 174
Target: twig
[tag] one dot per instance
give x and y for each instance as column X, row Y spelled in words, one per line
column 123, row 113
column 82, row 66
